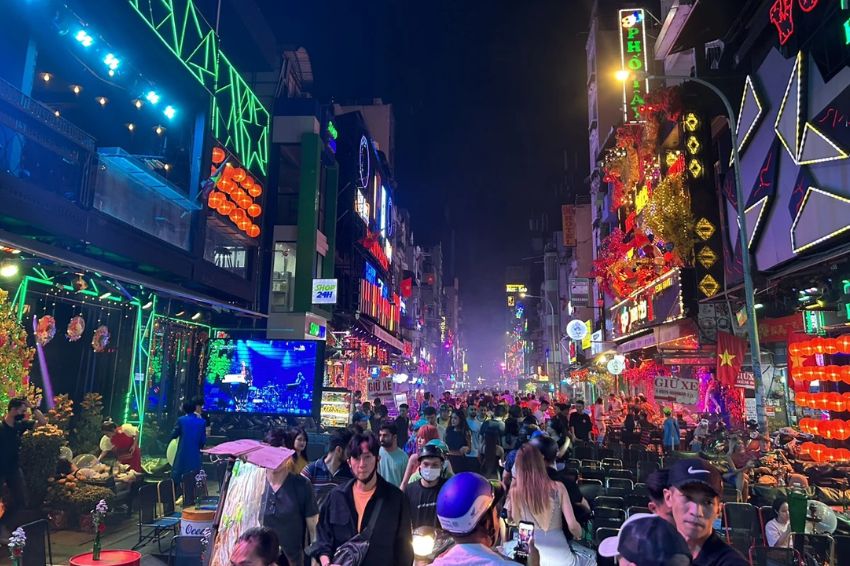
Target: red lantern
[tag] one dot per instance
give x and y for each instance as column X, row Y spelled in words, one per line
column 843, row 342
column 822, row 402
column 244, row 224
column 216, row 199
column 805, row 373
column 845, row 374
column 255, row 190
column 832, row 373
column 218, row 155
column 806, row 448
column 253, row 231
column 817, row 453
column 794, row 349
column 846, row 397
column 238, row 214
column 842, row 454
column 226, row 185
column 830, row 346
column 804, row 425
column 226, row 208
column 254, row 210
column 239, row 174
column 806, row 348
column 836, row 402
column 245, row 201
column 802, row 399
column 817, row 345
column 248, row 182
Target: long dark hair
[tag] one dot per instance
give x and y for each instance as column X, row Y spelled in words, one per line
column 463, row 426
column 293, row 433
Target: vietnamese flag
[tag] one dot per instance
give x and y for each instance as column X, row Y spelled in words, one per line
column 406, row 287
column 730, row 357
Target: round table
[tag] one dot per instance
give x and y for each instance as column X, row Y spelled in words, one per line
column 108, row 558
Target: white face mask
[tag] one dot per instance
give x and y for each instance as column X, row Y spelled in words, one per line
column 429, row 474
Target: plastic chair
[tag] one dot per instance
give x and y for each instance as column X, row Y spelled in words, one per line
column 645, row 468
column 590, row 489
column 585, row 451
column 39, row 551
column 185, row 551
column 730, row 495
column 610, row 502
column 816, row 548
column 602, row 533
column 842, row 549
column 591, row 463
column 772, row 556
column 592, row 474
column 636, row 500
column 636, row 509
column 165, row 490
column 766, row 515
column 622, row 473
column 603, row 512
column 640, row 489
column 149, row 518
column 624, row 483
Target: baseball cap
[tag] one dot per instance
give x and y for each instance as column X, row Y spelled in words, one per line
column 693, row 471
column 647, row 540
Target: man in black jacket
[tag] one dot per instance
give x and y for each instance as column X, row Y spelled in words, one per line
column 349, row 508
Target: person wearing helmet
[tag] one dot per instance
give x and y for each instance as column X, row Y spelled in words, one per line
column 468, row 509
column 412, row 475
column 422, row 494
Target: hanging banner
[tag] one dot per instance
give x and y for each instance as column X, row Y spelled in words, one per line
column 633, row 58
column 580, row 292
column 568, row 225
column 382, row 387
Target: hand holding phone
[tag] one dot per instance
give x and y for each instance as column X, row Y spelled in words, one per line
column 523, row 547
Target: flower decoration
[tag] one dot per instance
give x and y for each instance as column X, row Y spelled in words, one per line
column 45, row 330
column 76, row 327
column 17, row 542
column 100, row 339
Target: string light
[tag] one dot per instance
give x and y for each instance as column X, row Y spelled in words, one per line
column 159, row 130
column 102, row 100
column 76, row 89
column 46, row 77
column 131, row 126
column 138, row 103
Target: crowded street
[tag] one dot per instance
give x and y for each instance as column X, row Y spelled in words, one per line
column 390, row 283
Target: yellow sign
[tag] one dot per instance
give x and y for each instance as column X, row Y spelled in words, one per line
column 709, row 286
column 704, row 228
column 695, row 167
column 706, row 257
column 691, row 122
column 511, row 300
column 587, row 342
column 693, row 144
column 515, row 288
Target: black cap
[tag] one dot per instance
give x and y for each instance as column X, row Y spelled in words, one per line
column 431, row 451
column 647, row 540
column 695, row 471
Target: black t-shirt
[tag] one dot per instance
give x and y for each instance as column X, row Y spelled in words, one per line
column 403, row 426
column 286, row 511
column 423, row 503
column 580, row 422
column 715, row 552
column 10, row 445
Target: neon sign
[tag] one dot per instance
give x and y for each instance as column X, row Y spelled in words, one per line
column 371, row 244
column 782, row 16
column 633, row 57
column 361, row 206
column 376, row 300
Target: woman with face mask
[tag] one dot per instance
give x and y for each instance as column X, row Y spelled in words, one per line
column 422, row 495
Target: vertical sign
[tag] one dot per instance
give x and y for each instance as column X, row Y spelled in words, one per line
column 568, row 224
column 633, row 58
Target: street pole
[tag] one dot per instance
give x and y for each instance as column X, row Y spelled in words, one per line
column 749, row 293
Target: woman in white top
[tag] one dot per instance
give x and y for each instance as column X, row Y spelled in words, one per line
column 777, row 532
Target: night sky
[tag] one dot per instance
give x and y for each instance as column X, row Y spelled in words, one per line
column 487, row 97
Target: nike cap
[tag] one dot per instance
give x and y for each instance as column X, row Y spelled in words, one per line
column 695, row 471
column 647, row 540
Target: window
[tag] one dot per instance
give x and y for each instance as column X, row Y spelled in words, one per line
column 283, row 277
column 225, row 251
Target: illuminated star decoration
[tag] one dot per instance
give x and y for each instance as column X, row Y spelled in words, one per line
column 726, row 358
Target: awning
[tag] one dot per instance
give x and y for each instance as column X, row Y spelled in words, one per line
column 84, row 263
column 706, row 21
column 382, row 335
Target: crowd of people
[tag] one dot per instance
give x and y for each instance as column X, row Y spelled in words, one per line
column 383, row 479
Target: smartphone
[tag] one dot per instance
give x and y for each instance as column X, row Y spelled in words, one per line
column 526, row 530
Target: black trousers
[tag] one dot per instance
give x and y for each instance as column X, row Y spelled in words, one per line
column 15, row 495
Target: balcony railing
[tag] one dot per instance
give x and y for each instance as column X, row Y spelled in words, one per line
column 41, row 148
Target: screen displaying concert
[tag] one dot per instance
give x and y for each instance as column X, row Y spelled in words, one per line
column 271, row 377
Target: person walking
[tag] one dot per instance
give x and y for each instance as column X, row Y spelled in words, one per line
column 393, row 460
column 296, row 439
column 402, row 424
column 367, row 505
column 191, row 434
column 599, row 421
column 646, row 540
column 536, row 499
column 474, row 420
column 332, row 469
column 257, row 546
column 580, row 423
column 458, row 436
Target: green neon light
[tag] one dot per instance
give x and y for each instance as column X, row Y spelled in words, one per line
column 332, row 130
column 847, row 32
column 239, row 119
column 42, row 273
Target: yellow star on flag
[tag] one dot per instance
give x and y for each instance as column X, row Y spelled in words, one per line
column 726, row 358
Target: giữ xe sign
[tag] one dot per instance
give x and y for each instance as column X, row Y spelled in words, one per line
column 633, row 58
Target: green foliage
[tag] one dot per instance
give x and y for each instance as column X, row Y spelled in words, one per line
column 15, row 355
column 39, row 456
column 86, row 434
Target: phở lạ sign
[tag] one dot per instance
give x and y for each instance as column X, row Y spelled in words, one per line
column 633, row 58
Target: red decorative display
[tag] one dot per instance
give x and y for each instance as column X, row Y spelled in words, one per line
column 374, row 304
column 372, row 245
column 730, row 357
column 782, row 16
